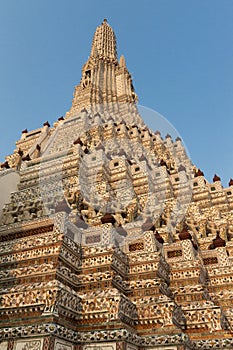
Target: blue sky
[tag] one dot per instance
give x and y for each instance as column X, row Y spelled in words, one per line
column 180, row 54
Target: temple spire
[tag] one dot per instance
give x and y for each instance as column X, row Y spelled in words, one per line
column 104, row 43
column 105, row 81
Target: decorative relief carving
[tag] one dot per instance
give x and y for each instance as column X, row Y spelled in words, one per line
column 93, row 239
column 174, row 253
column 210, row 260
column 30, row 254
column 62, row 345
column 29, row 344
column 32, row 345
column 25, row 243
column 136, row 246
column 28, row 270
column 48, row 343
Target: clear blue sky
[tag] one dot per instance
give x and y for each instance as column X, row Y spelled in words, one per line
column 180, row 54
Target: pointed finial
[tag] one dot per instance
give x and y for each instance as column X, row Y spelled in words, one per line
column 216, row 178
column 5, row 165
column 168, row 136
column 199, row 173
column 122, row 61
column 218, row 241
column 105, row 20
column 46, row 124
column 184, row 234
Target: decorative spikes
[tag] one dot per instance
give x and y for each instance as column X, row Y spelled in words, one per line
column 108, row 219
column 5, row 165
column 26, row 158
column 84, row 110
column 78, row 142
column 199, row 173
column 181, row 168
column 20, row 152
column 216, row 178
column 184, row 234
column 217, row 242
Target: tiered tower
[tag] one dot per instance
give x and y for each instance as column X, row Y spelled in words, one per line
column 105, row 83
column 110, row 237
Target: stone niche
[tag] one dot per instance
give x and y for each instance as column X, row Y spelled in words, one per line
column 62, row 345
column 4, row 345
column 100, row 346
column 28, row 344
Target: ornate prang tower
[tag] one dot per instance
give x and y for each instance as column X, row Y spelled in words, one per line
column 110, row 238
column 105, row 82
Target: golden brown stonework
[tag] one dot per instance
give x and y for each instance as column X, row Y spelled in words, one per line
column 110, row 238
